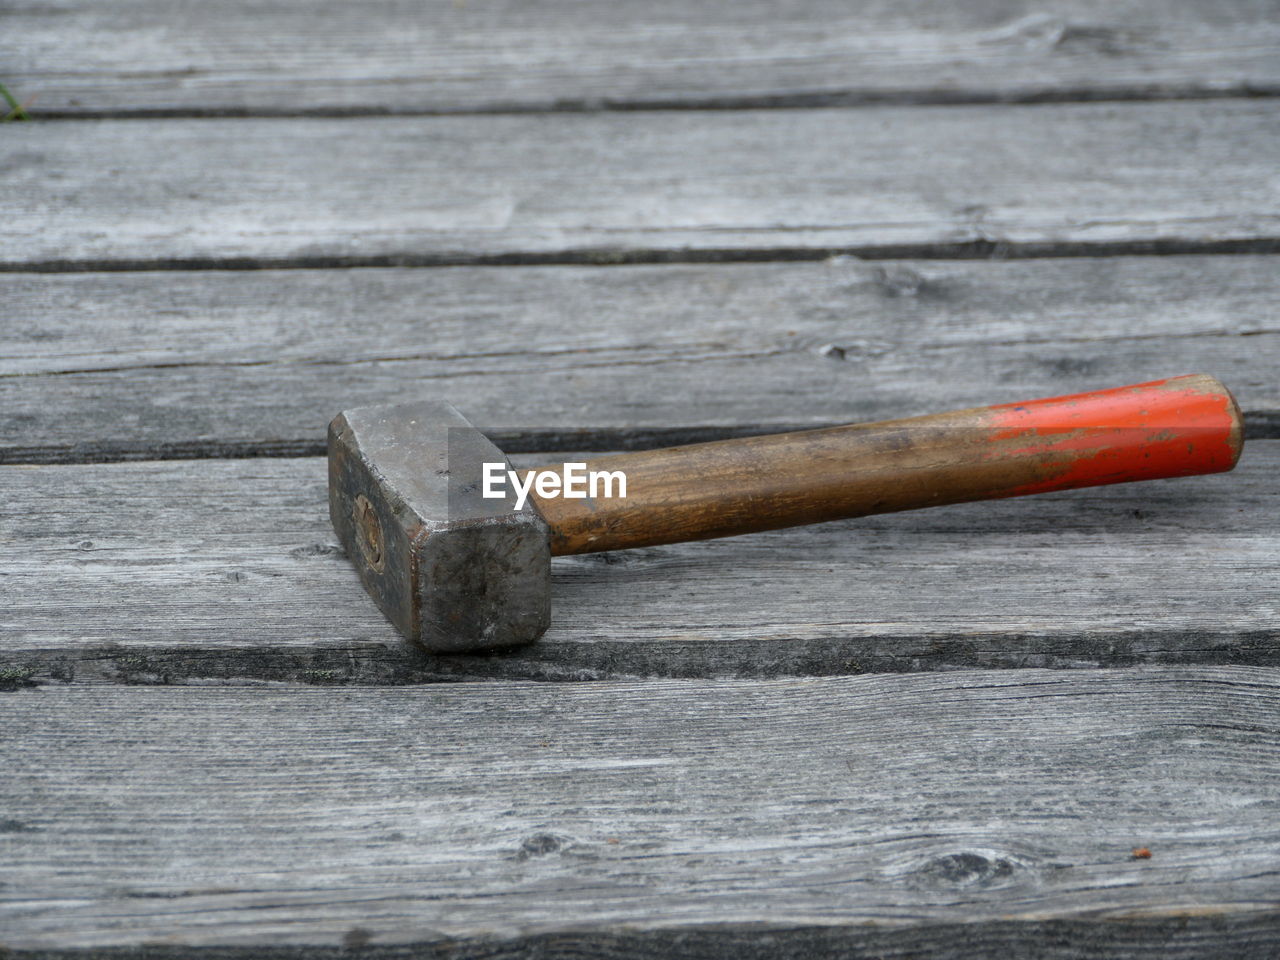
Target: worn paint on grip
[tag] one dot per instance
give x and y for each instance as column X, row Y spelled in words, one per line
column 1166, row 428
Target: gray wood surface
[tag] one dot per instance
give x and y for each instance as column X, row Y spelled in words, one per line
column 211, row 740
column 489, row 819
column 767, row 184
column 111, row 365
column 291, row 56
column 187, row 571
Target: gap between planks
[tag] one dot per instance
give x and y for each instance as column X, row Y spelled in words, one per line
column 994, row 250
column 843, row 99
column 1259, row 425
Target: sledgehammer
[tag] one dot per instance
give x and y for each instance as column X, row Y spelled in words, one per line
column 429, row 509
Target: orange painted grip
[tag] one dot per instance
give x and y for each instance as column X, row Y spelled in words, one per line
column 1166, row 428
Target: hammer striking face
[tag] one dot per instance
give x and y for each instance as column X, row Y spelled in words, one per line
column 456, row 570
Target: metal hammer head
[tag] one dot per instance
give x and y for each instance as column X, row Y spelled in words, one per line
column 453, row 570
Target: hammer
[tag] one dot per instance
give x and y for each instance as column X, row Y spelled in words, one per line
column 455, row 546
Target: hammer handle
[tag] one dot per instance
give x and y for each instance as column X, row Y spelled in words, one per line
column 1166, row 428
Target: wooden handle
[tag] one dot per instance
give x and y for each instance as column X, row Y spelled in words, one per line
column 1166, row 428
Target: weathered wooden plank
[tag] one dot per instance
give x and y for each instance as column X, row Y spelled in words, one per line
column 290, row 56
column 491, row 819
column 185, row 571
column 160, row 364
column 603, row 186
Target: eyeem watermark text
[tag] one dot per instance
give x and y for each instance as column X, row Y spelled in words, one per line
column 576, row 483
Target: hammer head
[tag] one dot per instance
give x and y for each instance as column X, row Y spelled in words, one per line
column 453, row 570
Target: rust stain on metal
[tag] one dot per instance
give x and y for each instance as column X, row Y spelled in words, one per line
column 368, row 532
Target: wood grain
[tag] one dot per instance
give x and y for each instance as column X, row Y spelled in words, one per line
column 291, row 56
column 496, row 818
column 600, row 187
column 209, row 738
column 105, row 366
column 1177, row 427
column 195, row 571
